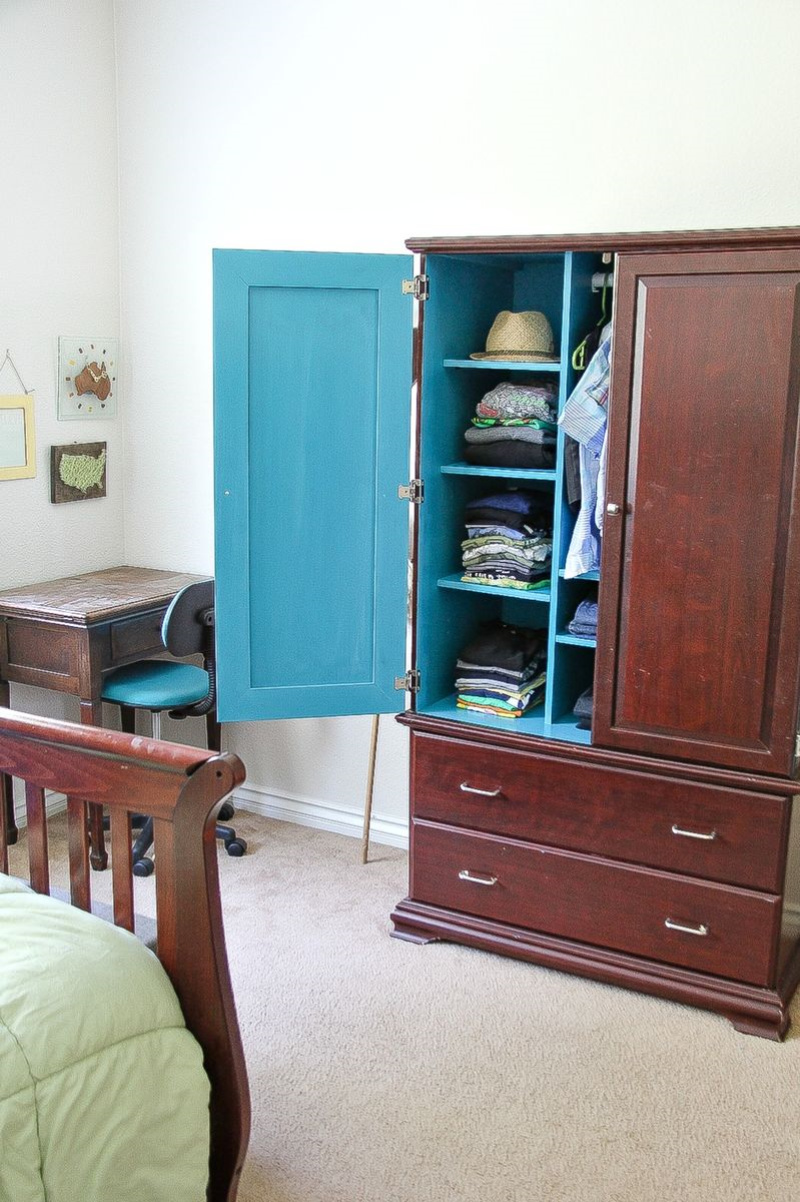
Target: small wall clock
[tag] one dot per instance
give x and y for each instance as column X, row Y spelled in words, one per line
column 87, row 378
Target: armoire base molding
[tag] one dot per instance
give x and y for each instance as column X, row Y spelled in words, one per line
column 753, row 1011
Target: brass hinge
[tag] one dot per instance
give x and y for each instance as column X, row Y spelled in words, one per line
column 414, row 491
column 410, row 682
column 419, row 287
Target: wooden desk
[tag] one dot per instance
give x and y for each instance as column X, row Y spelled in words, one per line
column 64, row 634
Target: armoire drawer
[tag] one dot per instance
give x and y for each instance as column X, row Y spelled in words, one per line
column 710, row 927
column 703, row 830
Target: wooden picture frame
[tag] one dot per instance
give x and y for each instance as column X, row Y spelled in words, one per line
column 17, row 438
column 77, row 471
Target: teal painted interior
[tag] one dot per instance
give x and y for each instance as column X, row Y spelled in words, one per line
column 312, row 396
column 467, row 292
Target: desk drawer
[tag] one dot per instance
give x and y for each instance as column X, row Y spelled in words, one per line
column 137, row 637
column 729, row 932
column 703, row 830
column 41, row 654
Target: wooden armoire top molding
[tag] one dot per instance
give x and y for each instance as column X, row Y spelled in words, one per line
column 759, row 238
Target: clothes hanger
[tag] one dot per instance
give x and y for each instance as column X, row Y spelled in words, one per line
column 579, row 354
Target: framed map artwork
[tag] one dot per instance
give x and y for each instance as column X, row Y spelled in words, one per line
column 77, row 472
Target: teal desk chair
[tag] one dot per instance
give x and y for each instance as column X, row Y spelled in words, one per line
column 183, row 690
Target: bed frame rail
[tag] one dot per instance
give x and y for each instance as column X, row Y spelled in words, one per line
column 183, row 789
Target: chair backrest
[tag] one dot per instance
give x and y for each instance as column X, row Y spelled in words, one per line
column 188, row 626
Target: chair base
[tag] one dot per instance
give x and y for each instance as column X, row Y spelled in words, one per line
column 144, row 865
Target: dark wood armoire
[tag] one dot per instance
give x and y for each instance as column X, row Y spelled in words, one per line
column 658, row 849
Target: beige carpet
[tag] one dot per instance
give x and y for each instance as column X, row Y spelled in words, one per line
column 385, row 1072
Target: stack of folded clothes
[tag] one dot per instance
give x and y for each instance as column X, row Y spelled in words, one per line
column 502, row 670
column 509, row 541
column 514, row 426
column 584, row 623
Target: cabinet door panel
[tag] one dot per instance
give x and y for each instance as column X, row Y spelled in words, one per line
column 312, row 383
column 698, row 639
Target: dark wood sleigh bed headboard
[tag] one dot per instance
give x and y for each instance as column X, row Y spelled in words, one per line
column 183, row 788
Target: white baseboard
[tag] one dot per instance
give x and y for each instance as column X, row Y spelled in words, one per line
column 54, row 803
column 306, row 811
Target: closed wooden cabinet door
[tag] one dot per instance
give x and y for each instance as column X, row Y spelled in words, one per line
column 699, row 630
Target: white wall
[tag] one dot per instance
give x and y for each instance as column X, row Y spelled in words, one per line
column 351, row 125
column 59, row 273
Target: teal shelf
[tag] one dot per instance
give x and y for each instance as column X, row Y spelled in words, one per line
column 470, row 291
column 574, row 640
column 583, row 576
column 566, row 728
column 500, row 365
column 512, row 473
column 532, row 723
column 495, row 590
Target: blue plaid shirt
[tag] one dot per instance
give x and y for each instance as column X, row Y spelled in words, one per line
column 585, row 419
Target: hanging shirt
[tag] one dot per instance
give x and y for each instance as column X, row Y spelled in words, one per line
column 585, row 419
column 600, row 506
column 585, row 415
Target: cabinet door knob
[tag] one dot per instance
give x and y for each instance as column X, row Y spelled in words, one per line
column 466, row 875
column 612, row 509
column 465, row 788
column 701, row 929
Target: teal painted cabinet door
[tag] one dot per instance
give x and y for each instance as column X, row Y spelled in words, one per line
column 312, row 383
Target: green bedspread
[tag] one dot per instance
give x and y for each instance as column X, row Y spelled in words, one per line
column 103, row 1095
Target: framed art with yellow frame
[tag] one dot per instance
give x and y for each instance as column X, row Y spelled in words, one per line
column 17, row 439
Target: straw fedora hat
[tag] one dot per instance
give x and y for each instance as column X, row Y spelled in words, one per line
column 520, row 337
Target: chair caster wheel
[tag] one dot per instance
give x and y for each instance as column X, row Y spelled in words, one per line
column 235, row 847
column 143, row 867
column 226, row 812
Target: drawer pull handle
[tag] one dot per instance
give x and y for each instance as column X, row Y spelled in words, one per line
column 465, row 788
column 676, row 830
column 702, row 929
column 466, row 875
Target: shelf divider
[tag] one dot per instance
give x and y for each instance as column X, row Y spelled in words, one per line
column 583, row 575
column 574, row 640
column 496, row 590
column 501, row 365
column 512, row 473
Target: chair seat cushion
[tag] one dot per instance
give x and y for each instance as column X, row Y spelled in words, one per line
column 156, row 684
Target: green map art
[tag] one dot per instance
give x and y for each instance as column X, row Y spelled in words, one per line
column 82, row 471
